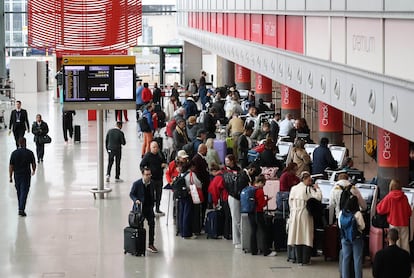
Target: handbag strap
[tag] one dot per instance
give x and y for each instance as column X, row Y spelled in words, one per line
column 191, row 177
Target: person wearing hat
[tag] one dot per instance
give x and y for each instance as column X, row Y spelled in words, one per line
column 200, row 139
column 172, row 171
column 190, row 107
column 192, row 127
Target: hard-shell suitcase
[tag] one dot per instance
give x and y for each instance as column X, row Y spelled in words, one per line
column 376, row 240
column 245, row 232
column 134, row 241
column 197, row 223
column 221, row 147
column 279, row 231
column 331, row 242
column 214, row 224
column 270, row 189
column 77, row 134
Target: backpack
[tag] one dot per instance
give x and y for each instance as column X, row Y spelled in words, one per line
column 180, row 187
column 230, row 183
column 345, row 196
column 371, row 148
column 144, row 125
column 349, row 226
column 247, row 199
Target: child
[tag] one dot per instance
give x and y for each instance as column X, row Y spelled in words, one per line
column 256, row 219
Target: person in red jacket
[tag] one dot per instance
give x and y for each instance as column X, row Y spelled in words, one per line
column 395, row 205
column 172, row 171
column 288, row 177
column 256, row 219
column 218, row 192
column 146, row 94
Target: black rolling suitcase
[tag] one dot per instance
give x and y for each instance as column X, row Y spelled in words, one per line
column 77, row 135
column 134, row 241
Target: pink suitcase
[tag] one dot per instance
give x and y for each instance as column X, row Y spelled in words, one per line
column 270, row 189
column 377, row 238
column 221, row 147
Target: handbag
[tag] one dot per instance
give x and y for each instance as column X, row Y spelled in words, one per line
column 314, row 207
column 196, row 193
column 135, row 217
column 380, row 221
column 44, row 139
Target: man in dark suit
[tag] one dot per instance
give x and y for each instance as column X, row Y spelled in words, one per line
column 392, row 261
column 19, row 122
column 114, row 140
column 142, row 193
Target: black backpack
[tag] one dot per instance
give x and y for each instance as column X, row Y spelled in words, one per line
column 230, row 183
column 345, row 196
column 180, row 187
column 144, row 125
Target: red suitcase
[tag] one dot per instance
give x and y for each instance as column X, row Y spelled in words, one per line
column 376, row 240
column 331, row 242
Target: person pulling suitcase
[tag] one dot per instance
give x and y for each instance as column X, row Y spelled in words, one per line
column 142, row 192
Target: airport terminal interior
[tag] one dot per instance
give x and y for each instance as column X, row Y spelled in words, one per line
column 67, row 233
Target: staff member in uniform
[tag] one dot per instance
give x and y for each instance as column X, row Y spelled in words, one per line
column 21, row 160
column 115, row 138
column 19, row 122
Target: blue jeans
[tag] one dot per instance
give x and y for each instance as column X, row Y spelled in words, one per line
column 355, row 249
column 22, row 184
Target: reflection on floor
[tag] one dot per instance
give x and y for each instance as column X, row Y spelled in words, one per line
column 69, row 234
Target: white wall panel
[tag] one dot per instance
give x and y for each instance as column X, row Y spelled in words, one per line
column 240, row 5
column 247, row 5
column 256, row 5
column 317, row 37
column 281, row 5
column 220, row 5
column 295, row 5
column 399, row 5
column 364, row 44
column 231, row 5
column 365, row 98
column 338, row 5
column 365, row 5
column 318, row 5
column 270, row 5
column 399, row 46
column 398, row 111
column 338, row 40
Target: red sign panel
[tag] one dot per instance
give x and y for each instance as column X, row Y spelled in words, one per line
column 269, row 30
column 330, row 118
column 240, row 26
column 290, row 99
column 213, row 24
column 84, row 26
column 294, row 33
column 220, row 23
column 281, row 31
column 231, row 25
column 392, row 150
column 256, row 24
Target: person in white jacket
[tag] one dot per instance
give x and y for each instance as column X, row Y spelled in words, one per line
column 301, row 232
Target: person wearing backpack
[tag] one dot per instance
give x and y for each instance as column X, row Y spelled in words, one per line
column 343, row 190
column 398, row 210
column 351, row 224
column 301, row 232
column 256, row 218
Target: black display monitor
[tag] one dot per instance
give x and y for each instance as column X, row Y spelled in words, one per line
column 356, row 176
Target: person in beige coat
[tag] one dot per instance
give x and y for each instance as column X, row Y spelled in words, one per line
column 299, row 155
column 300, row 234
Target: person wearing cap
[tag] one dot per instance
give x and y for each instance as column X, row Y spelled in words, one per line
column 301, row 232
column 192, row 128
column 180, row 137
column 115, row 138
column 172, row 171
column 190, row 107
column 200, row 139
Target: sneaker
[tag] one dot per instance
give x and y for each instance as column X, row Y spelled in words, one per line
column 119, row 180
column 160, row 213
column 107, row 178
column 190, row 237
column 152, row 249
column 272, row 254
column 237, row 246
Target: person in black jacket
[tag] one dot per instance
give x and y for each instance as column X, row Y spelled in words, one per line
column 268, row 156
column 19, row 122
column 115, row 138
column 67, row 124
column 142, row 193
column 322, row 158
column 155, row 161
column 392, row 261
column 210, row 121
column 180, row 137
column 243, row 146
column 156, row 94
column 39, row 129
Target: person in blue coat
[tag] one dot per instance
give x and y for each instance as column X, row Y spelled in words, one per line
column 322, row 158
column 142, row 193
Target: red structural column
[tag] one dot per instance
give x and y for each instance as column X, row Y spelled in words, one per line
column 331, row 123
column 263, row 88
column 392, row 158
column 290, row 102
column 243, row 78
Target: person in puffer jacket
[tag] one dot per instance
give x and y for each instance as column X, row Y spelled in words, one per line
column 395, row 205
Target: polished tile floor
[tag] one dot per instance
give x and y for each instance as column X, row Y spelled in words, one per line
column 68, row 233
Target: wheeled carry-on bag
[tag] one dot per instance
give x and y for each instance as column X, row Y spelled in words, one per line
column 377, row 238
column 134, row 241
column 221, row 147
column 77, row 135
column 331, row 243
column 214, row 224
column 245, row 232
